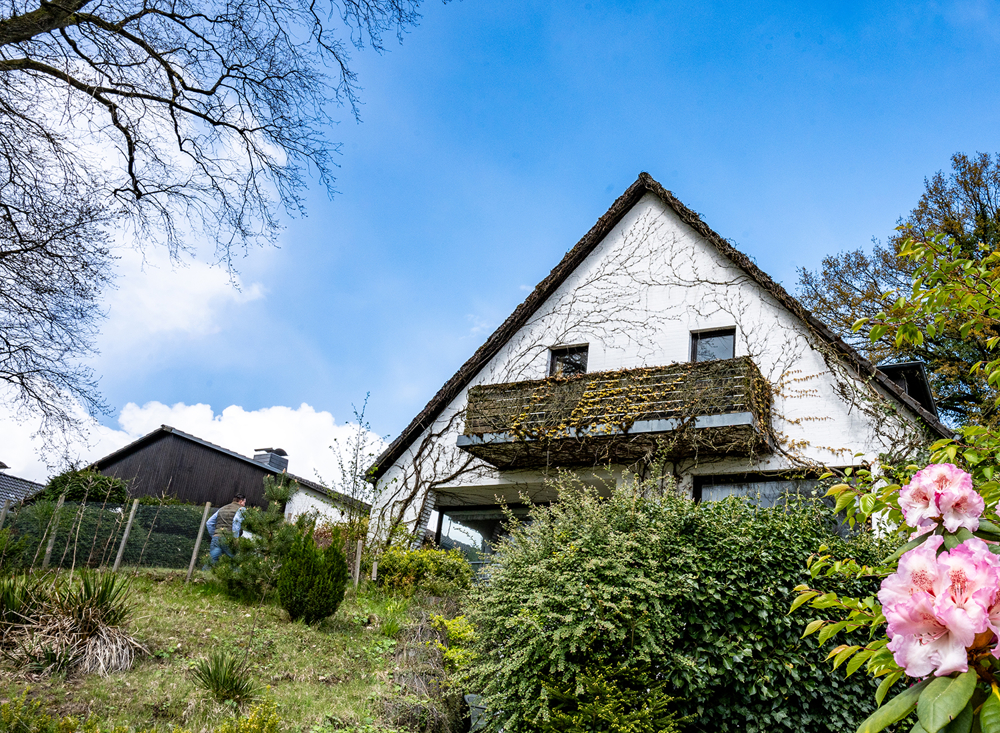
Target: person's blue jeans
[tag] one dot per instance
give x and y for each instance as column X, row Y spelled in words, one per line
column 216, row 549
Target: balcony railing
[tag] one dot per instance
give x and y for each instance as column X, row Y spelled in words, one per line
column 718, row 407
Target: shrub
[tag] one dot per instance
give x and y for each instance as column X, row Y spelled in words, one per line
column 435, row 572
column 460, row 636
column 226, row 678
column 311, row 582
column 79, row 484
column 610, row 698
column 65, row 626
column 261, row 718
column 695, row 595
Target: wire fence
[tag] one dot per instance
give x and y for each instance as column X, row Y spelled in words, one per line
column 67, row 535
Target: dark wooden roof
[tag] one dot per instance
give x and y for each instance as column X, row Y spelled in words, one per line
column 165, row 431
column 643, row 185
column 16, row 489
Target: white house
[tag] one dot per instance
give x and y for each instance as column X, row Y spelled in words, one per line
column 654, row 336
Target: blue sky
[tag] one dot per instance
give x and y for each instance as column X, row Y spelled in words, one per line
column 495, row 136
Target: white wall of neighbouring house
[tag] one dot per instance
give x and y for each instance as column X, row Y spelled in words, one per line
column 635, row 300
column 307, row 500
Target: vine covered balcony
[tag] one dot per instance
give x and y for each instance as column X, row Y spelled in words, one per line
column 676, row 411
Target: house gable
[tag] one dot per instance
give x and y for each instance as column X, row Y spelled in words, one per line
column 572, row 271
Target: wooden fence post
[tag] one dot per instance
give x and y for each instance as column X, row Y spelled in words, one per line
column 375, row 569
column 3, row 514
column 357, row 564
column 128, row 528
column 54, row 524
column 197, row 542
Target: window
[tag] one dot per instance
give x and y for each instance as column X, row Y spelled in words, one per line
column 763, row 490
column 568, row 361
column 712, row 345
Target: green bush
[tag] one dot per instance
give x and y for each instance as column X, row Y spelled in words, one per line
column 80, row 484
column 695, row 595
column 311, row 582
column 610, row 698
column 434, row 572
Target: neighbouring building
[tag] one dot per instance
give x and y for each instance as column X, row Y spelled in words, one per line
column 14, row 489
column 169, row 462
column 654, row 336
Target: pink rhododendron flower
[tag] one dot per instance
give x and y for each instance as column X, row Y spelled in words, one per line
column 936, row 604
column 941, row 491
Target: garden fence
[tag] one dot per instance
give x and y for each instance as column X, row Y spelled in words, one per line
column 69, row 535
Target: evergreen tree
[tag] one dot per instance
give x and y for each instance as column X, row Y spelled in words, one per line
column 252, row 572
column 312, row 582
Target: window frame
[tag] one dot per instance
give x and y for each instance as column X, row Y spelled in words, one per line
column 697, row 336
column 556, row 351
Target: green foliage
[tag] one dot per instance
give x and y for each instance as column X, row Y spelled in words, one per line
column 226, row 678
column 85, row 484
column 252, row 573
column 611, row 698
column 13, row 549
column 434, row 572
column 20, row 715
column 460, row 636
column 311, row 582
column 694, row 595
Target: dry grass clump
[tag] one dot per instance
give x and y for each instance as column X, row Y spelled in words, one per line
column 51, row 625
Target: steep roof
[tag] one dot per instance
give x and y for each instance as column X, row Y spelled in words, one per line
column 164, row 430
column 643, row 185
column 17, row 489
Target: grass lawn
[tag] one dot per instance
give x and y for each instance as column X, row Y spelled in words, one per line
column 330, row 675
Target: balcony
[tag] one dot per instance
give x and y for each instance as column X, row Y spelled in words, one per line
column 681, row 410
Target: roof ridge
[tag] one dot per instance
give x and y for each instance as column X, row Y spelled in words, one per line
column 645, row 183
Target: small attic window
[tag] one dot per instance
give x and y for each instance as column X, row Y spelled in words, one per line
column 568, row 361
column 712, row 345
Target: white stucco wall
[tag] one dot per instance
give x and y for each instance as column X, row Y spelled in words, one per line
column 635, row 300
column 306, row 500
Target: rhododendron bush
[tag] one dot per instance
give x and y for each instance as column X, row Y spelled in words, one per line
column 936, row 617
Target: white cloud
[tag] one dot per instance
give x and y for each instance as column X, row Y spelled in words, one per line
column 157, row 301
column 303, row 432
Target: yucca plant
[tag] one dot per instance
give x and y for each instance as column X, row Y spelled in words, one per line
column 226, row 678
column 62, row 626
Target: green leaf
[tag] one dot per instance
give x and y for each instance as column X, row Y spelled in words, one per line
column 894, row 710
column 906, row 548
column 884, row 686
column 917, row 728
column 802, row 599
column 951, row 542
column 843, row 655
column 829, row 631
column 989, row 714
column 944, row 699
column 812, row 626
column 857, row 660
column 962, row 722
column 985, row 526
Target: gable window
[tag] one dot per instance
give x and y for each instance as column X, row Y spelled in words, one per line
column 568, row 361
column 712, row 345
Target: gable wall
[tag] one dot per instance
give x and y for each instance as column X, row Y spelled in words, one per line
column 189, row 471
column 635, row 301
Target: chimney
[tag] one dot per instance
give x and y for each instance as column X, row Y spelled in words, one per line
column 275, row 458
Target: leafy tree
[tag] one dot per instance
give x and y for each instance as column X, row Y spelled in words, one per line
column 173, row 121
column 311, row 582
column 963, row 205
column 593, row 593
